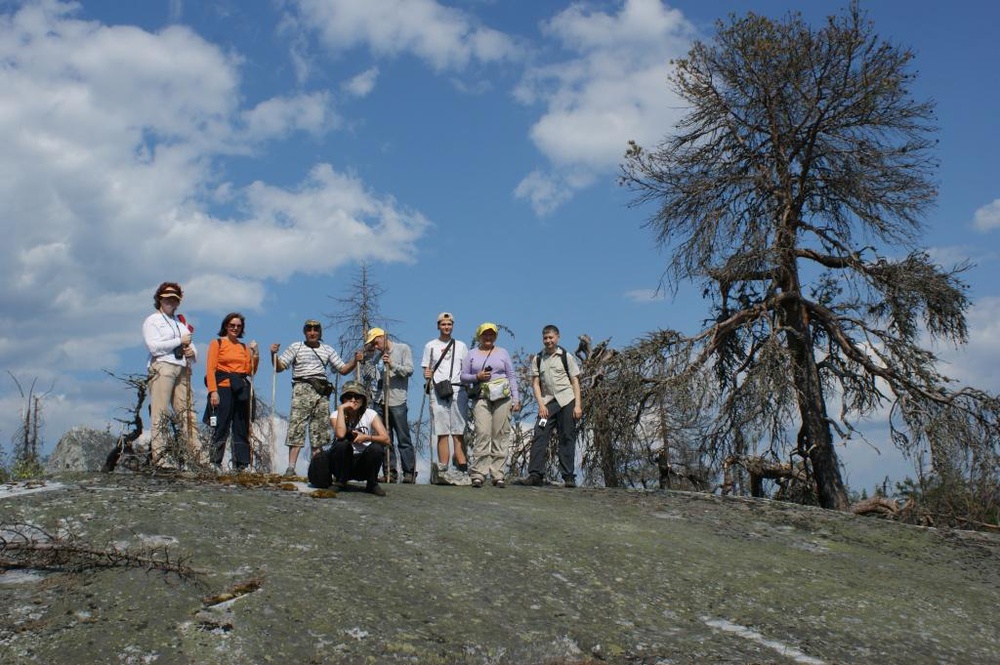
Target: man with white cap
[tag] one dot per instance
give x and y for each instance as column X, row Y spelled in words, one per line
column 397, row 364
column 442, row 363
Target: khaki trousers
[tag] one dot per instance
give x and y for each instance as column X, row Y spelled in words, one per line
column 169, row 386
column 491, row 443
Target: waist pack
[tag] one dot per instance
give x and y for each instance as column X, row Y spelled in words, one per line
column 444, row 389
column 320, row 385
column 496, row 389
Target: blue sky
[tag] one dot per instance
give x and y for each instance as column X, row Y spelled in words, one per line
column 258, row 151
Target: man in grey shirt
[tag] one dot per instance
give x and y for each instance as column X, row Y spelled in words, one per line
column 397, row 364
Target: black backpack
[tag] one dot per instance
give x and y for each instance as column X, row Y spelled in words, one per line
column 538, row 361
column 320, row 473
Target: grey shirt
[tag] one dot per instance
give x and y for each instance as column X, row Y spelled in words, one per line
column 400, row 369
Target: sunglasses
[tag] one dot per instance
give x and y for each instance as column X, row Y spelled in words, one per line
column 235, row 326
column 316, row 328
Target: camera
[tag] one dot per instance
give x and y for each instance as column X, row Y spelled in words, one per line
column 179, row 352
column 488, row 368
column 213, row 420
column 542, row 422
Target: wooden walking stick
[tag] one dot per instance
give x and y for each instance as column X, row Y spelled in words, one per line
column 385, row 408
column 432, row 451
column 274, row 383
column 191, row 425
column 420, row 413
column 253, row 396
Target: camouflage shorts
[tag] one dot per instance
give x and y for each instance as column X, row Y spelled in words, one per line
column 310, row 413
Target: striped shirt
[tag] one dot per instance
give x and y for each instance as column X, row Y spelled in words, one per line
column 306, row 361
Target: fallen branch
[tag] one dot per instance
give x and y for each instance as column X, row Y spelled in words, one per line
column 29, row 546
column 876, row 505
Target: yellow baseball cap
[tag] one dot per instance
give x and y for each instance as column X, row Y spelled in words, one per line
column 372, row 334
column 483, row 327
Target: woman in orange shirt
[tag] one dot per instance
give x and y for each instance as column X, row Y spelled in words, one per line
column 230, row 396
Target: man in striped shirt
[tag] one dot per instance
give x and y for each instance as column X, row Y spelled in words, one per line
column 310, row 410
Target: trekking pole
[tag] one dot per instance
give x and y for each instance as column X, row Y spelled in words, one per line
column 420, row 413
column 385, row 408
column 431, row 444
column 274, row 384
column 189, row 417
column 253, row 396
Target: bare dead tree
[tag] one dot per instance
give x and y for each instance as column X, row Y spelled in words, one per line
column 132, row 427
column 640, row 430
column 523, row 425
column 801, row 149
column 27, row 440
column 359, row 310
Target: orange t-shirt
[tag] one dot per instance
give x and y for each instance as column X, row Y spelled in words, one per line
column 225, row 356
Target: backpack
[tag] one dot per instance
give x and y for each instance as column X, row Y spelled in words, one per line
column 320, row 473
column 538, row 361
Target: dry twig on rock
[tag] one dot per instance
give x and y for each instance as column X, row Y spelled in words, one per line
column 28, row 546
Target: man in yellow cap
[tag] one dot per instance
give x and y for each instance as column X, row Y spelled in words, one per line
column 397, row 364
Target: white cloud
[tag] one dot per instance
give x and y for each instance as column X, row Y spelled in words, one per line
column 329, row 220
column 978, row 362
column 544, row 191
column 113, row 177
column 362, row 84
column 444, row 37
column 611, row 89
column 645, row 295
column 280, row 116
column 987, row 217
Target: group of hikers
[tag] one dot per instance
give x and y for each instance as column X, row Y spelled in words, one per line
column 351, row 442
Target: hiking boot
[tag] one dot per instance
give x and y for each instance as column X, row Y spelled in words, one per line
column 290, row 472
column 464, row 467
column 409, row 478
column 394, row 477
column 499, row 482
column 569, row 483
column 375, row 489
column 531, row 480
column 477, row 483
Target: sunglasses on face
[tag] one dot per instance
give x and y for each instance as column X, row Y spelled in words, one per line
column 313, row 328
column 234, row 326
